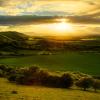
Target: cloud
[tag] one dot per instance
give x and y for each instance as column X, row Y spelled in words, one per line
column 1, row 2
column 28, row 20
column 73, row 6
column 84, row 20
column 77, row 11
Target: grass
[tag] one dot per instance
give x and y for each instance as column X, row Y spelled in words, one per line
column 42, row 93
column 68, row 61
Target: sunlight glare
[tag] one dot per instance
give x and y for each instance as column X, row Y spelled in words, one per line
column 63, row 26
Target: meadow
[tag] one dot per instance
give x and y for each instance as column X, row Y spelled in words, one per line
column 61, row 62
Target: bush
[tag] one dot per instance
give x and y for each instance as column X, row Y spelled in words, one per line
column 84, row 83
column 43, row 77
column 14, row 92
column 34, row 76
column 12, row 74
column 12, row 77
column 78, row 75
column 53, row 81
column 1, row 73
column 3, row 67
column 28, row 76
column 96, row 84
column 6, row 71
column 66, row 80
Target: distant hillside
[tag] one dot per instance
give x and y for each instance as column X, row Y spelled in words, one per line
column 12, row 35
column 12, row 40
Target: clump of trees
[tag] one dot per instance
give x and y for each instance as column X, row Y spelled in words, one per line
column 96, row 84
column 67, row 80
column 84, row 83
column 87, row 82
column 5, row 70
column 36, row 76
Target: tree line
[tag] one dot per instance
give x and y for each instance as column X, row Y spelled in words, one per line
column 36, row 76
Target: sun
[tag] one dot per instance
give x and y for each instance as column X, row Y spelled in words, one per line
column 63, row 26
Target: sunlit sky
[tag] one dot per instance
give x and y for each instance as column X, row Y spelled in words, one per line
column 83, row 16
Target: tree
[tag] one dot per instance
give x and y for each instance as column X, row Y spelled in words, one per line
column 1, row 73
column 66, row 80
column 43, row 44
column 28, row 76
column 96, row 84
column 84, row 83
column 3, row 67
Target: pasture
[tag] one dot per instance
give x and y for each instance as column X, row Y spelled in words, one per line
column 88, row 63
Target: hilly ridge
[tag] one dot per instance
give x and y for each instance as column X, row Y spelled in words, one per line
column 11, row 39
column 15, row 40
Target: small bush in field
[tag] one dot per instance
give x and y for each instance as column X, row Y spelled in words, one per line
column 34, row 69
column 84, row 83
column 53, row 81
column 14, row 92
column 3, row 67
column 66, row 80
column 6, row 71
column 12, row 77
column 96, row 84
column 1, row 73
column 43, row 77
column 28, row 76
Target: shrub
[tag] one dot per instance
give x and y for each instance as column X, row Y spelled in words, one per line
column 28, row 76
column 34, row 76
column 6, row 70
column 53, row 81
column 84, row 83
column 1, row 73
column 96, row 77
column 43, row 77
column 66, row 80
column 79, row 75
column 12, row 77
column 3, row 67
column 14, row 92
column 96, row 84
column 34, row 69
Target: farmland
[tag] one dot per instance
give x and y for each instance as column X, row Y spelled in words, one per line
column 61, row 62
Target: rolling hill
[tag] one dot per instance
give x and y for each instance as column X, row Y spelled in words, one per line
column 12, row 40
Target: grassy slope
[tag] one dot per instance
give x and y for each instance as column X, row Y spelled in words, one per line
column 42, row 93
column 69, row 61
column 12, row 35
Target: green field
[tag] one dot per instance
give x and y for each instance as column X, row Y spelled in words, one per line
column 43, row 93
column 68, row 61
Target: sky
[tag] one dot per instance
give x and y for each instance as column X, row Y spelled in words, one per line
column 84, row 14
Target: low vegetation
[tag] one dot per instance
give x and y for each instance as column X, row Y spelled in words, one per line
column 84, row 83
column 36, row 76
column 11, row 91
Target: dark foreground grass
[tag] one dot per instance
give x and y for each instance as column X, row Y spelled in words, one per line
column 42, row 93
column 67, row 61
